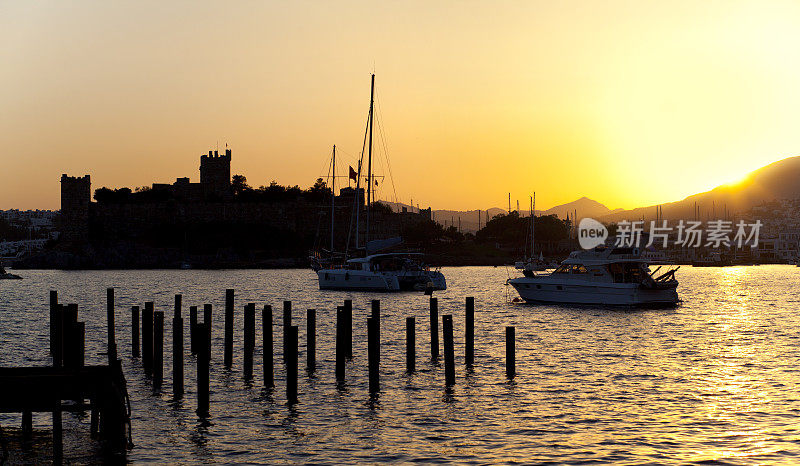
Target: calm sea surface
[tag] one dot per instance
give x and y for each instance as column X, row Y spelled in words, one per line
column 713, row 380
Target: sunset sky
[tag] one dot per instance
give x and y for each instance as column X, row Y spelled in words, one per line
column 628, row 103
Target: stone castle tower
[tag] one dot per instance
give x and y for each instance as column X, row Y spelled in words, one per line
column 215, row 174
column 75, row 198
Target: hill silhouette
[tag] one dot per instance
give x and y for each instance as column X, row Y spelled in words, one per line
column 778, row 180
column 469, row 219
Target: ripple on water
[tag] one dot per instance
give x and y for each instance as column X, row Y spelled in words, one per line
column 711, row 381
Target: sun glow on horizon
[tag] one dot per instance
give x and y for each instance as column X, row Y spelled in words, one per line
column 627, row 104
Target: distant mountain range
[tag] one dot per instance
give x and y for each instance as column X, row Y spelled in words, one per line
column 778, row 180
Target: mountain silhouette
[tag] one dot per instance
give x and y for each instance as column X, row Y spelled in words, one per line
column 778, row 180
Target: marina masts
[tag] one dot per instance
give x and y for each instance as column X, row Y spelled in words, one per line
column 369, row 152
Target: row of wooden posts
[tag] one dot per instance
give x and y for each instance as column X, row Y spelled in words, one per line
column 151, row 349
column 109, row 418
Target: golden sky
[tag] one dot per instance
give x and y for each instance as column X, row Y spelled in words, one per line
column 629, row 103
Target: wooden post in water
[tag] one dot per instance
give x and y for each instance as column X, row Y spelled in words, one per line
column 135, row 331
column 311, row 340
column 53, row 311
column 287, row 322
column 340, row 345
column 209, row 325
column 58, row 336
column 268, row 359
column 249, row 339
column 434, row 328
column 203, row 355
column 177, row 350
column 58, row 441
column 411, row 344
column 291, row 366
column 147, row 338
column 158, row 349
column 228, row 358
column 192, row 329
column 27, row 426
column 112, row 338
column 511, row 358
column 80, row 342
column 348, row 328
column 373, row 354
column 469, row 332
column 449, row 357
column 69, row 343
column 376, row 314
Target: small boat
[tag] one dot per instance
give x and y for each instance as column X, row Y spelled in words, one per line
column 605, row 275
column 7, row 275
column 383, row 272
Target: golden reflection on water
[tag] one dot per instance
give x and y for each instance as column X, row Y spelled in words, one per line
column 711, row 380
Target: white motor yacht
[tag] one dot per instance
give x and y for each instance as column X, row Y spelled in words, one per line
column 604, row 275
column 383, row 272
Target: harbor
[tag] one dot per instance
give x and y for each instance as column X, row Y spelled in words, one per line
column 591, row 383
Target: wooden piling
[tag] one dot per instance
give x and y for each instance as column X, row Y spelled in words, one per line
column 147, row 338
column 249, row 339
column 94, row 419
column 192, row 329
column 434, row 328
column 291, row 366
column 511, row 358
column 311, row 340
column 209, row 326
column 340, row 345
column 348, row 328
column 80, row 335
column 158, row 349
column 376, row 314
column 27, row 426
column 58, row 336
column 69, row 337
column 228, row 358
column 469, row 332
column 373, row 354
column 177, row 350
column 53, row 310
column 111, row 340
column 58, row 440
column 203, row 356
column 449, row 358
column 267, row 357
column 411, row 344
column 287, row 322
column 135, row 332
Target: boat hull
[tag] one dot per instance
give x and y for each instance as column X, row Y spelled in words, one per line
column 361, row 280
column 611, row 294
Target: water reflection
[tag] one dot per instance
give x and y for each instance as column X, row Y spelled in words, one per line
column 710, row 380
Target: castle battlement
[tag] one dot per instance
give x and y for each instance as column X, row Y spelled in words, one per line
column 215, row 173
column 72, row 179
column 214, row 155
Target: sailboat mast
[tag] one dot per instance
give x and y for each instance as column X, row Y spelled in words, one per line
column 369, row 160
column 533, row 219
column 333, row 190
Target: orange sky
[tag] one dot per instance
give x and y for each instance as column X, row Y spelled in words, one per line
column 629, row 103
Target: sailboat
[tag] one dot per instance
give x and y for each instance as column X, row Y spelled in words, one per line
column 390, row 271
column 532, row 263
